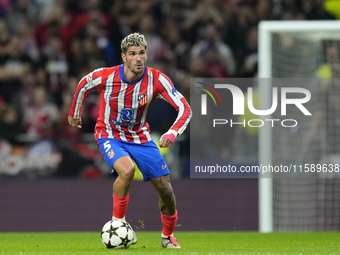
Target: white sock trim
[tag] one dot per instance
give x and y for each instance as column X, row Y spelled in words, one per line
column 114, row 218
column 166, row 236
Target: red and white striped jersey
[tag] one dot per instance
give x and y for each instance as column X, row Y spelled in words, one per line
column 124, row 105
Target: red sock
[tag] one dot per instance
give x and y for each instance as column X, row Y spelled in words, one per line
column 169, row 223
column 120, row 205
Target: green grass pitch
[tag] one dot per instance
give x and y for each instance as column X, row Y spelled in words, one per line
column 233, row 243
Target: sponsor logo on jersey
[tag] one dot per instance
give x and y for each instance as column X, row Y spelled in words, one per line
column 142, row 99
column 163, row 167
column 175, row 93
column 110, row 154
column 126, row 114
column 125, row 124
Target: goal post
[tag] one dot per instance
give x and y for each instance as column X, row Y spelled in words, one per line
column 309, row 30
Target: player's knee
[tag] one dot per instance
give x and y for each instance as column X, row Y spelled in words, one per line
column 127, row 173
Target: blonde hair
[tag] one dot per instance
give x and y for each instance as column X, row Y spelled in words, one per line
column 134, row 39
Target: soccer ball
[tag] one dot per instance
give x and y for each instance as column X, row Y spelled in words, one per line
column 117, row 234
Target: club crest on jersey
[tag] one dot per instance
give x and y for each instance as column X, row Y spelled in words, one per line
column 142, row 99
column 110, row 154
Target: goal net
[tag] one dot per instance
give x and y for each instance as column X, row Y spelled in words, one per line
column 305, row 49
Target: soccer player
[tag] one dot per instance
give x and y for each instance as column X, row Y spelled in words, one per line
column 122, row 133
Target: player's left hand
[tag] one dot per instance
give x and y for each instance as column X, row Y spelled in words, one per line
column 77, row 123
column 167, row 140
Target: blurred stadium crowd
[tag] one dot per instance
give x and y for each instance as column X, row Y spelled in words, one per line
column 47, row 46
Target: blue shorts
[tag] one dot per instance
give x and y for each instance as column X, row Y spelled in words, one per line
column 147, row 156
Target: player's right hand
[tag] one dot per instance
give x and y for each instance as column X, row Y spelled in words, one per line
column 74, row 122
column 167, row 139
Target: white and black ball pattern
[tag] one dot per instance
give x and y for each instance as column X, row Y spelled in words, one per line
column 117, row 234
